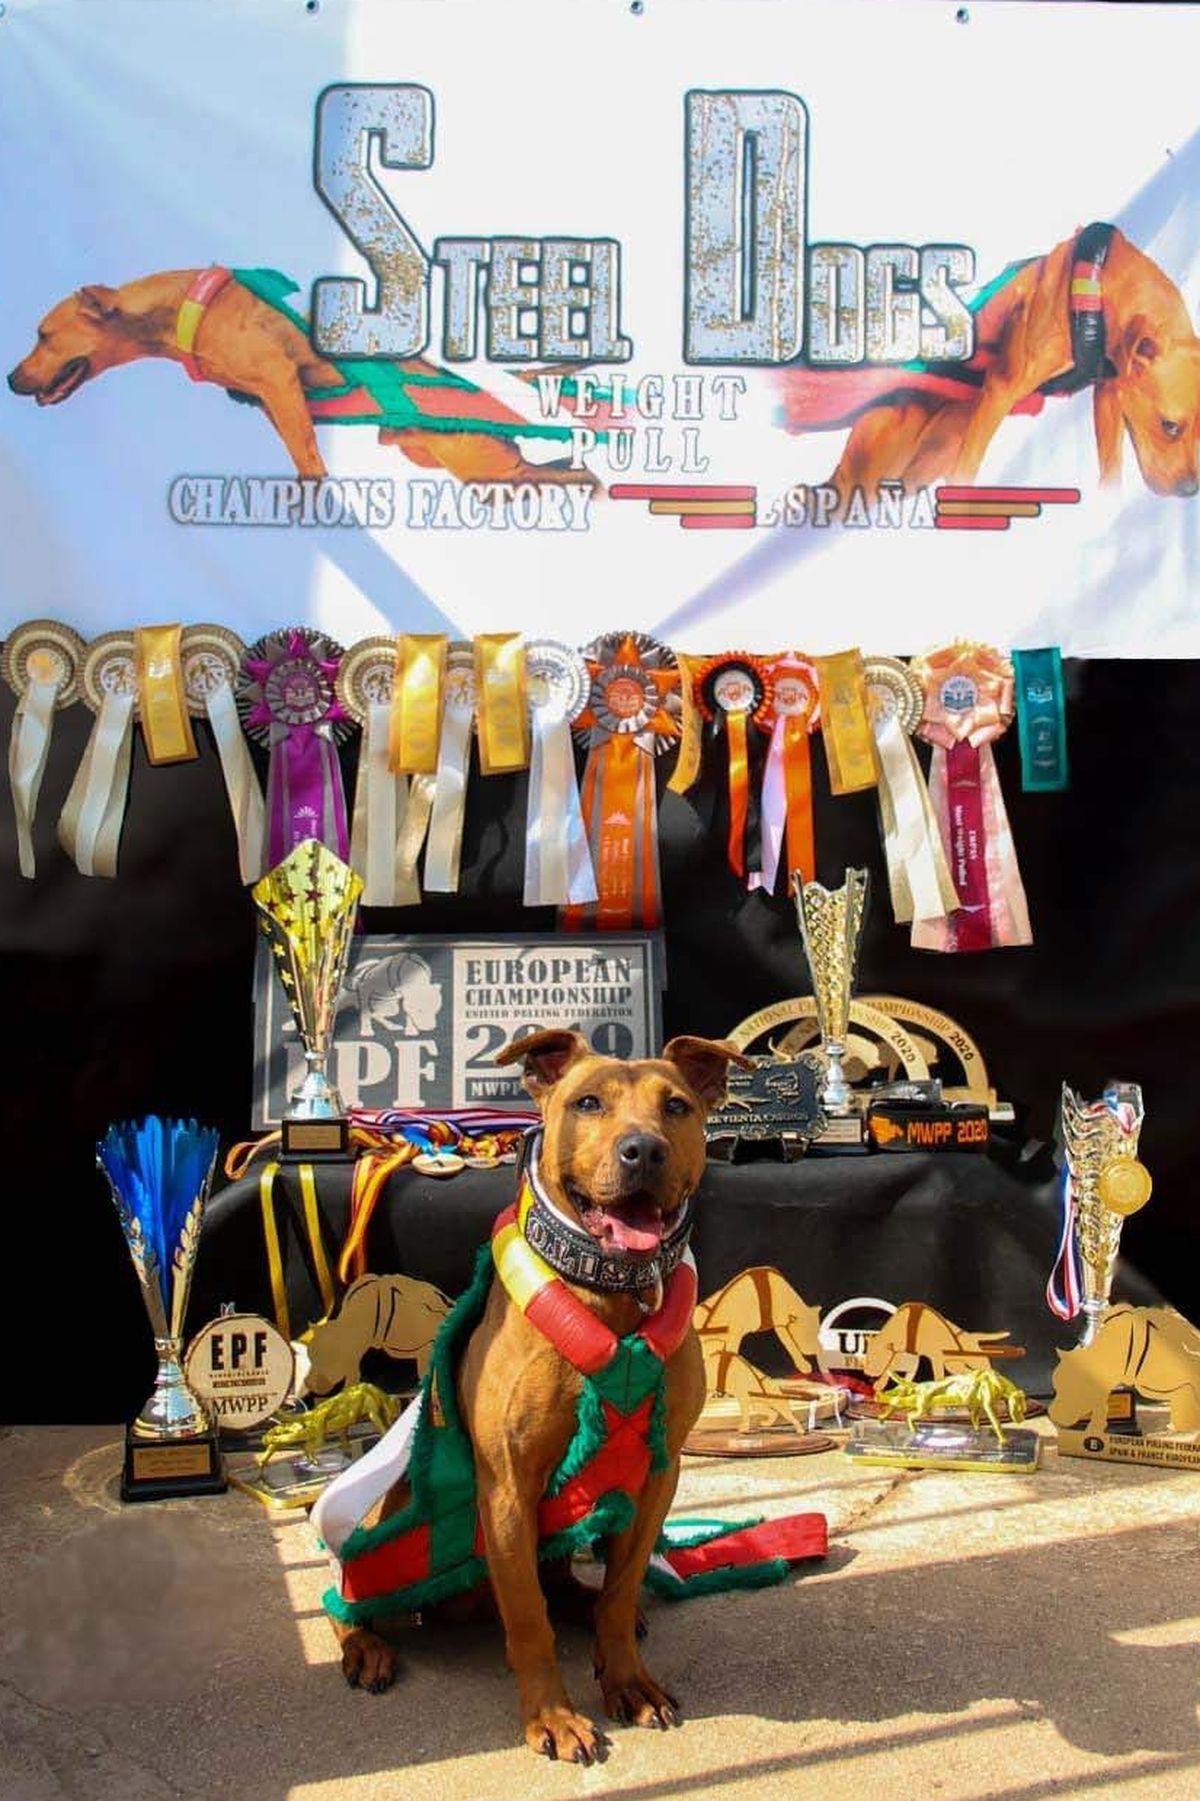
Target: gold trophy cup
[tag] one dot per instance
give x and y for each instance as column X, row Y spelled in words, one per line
column 1100, row 1141
column 831, row 923
column 307, row 906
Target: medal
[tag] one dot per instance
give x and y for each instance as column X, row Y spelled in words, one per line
column 632, row 715
column 733, row 692
column 968, row 704
column 792, row 713
column 918, row 875
column 287, row 700
column 381, row 850
column 41, row 664
column 558, row 864
column 210, row 659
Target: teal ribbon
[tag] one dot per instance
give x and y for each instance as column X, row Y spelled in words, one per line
column 1041, row 720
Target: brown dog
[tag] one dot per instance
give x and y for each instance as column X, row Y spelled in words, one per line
column 249, row 348
column 623, row 1150
column 1153, row 395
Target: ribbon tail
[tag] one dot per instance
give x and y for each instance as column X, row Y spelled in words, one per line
column 1065, row 1286
column 421, row 790
column 917, row 870
column 1009, row 913
column 797, row 771
column 739, row 790
column 241, row 782
column 443, row 854
column 28, row 749
column 89, row 827
column 774, row 812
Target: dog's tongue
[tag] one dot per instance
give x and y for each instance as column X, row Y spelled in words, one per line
column 637, row 1227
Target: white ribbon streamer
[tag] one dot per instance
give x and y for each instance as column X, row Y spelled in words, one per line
column 558, row 862
column 241, row 782
column 918, row 874
column 89, row 827
column 443, row 852
column 773, row 813
column 27, row 752
column 380, row 804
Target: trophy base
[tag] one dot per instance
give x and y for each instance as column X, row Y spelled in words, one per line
column 1167, row 1450
column 931, row 1445
column 314, row 1140
column 842, row 1135
column 170, row 1469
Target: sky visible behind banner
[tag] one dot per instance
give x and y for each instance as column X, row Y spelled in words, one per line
column 167, row 135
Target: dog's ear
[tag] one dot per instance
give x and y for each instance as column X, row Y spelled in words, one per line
column 547, row 1056
column 98, row 303
column 1140, row 344
column 704, row 1065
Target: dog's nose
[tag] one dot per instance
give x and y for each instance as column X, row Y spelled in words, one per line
column 641, row 1154
column 14, row 378
column 1187, row 484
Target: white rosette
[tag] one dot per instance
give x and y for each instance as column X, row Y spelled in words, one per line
column 41, row 664
column 443, row 853
column 388, row 824
column 918, row 875
column 89, row 826
column 558, row 863
column 210, row 657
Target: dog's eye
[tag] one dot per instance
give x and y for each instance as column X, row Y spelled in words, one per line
column 676, row 1104
column 1171, row 428
column 588, row 1103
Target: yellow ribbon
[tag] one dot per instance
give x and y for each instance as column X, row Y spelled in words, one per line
column 312, row 1219
column 501, row 705
column 416, row 703
column 162, row 704
column 846, row 723
column 266, row 1195
column 687, row 766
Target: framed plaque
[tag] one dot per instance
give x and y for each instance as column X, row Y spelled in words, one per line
column 421, row 1019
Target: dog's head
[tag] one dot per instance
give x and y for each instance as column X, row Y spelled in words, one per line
column 623, row 1143
column 79, row 338
column 1158, row 383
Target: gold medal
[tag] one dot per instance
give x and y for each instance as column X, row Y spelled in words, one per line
column 433, row 1163
column 1124, row 1186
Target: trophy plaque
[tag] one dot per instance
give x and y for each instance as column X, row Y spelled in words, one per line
column 307, row 906
column 242, row 1368
column 831, row 923
column 773, row 1104
column 159, row 1173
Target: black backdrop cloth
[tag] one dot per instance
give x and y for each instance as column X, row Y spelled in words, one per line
column 971, row 1235
column 133, row 996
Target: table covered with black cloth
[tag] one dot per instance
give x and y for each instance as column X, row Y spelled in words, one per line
column 972, row 1236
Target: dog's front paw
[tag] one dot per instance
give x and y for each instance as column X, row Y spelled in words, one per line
column 560, row 1732
column 639, row 1701
column 368, row 1661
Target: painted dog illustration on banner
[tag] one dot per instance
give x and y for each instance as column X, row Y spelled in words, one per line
column 236, row 327
column 1094, row 312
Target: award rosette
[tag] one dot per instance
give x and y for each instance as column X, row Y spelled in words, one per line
column 210, row 659
column 89, row 826
column 287, row 701
column 382, row 848
column 968, row 704
column 558, row 863
column 307, row 906
column 160, row 1172
column 443, row 853
column 733, row 692
column 632, row 715
column 918, row 875
column 42, row 663
column 1102, row 1184
column 792, row 714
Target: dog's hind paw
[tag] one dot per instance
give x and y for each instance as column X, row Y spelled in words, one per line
column 640, row 1702
column 368, row 1661
column 560, row 1732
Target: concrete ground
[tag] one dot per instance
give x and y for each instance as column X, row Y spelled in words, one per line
column 970, row 1637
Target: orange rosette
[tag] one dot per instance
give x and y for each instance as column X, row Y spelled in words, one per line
column 633, row 714
column 733, row 692
column 792, row 714
column 969, row 703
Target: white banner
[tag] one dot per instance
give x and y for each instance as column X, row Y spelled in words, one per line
column 730, row 322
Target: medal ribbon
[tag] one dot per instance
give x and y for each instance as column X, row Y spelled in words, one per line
column 845, row 723
column 89, row 827
column 443, row 854
column 28, row 749
column 918, row 875
column 558, row 863
column 162, row 704
column 1041, row 720
column 241, row 781
column 416, row 708
column 501, row 705
column 380, row 801
column 1064, row 1290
